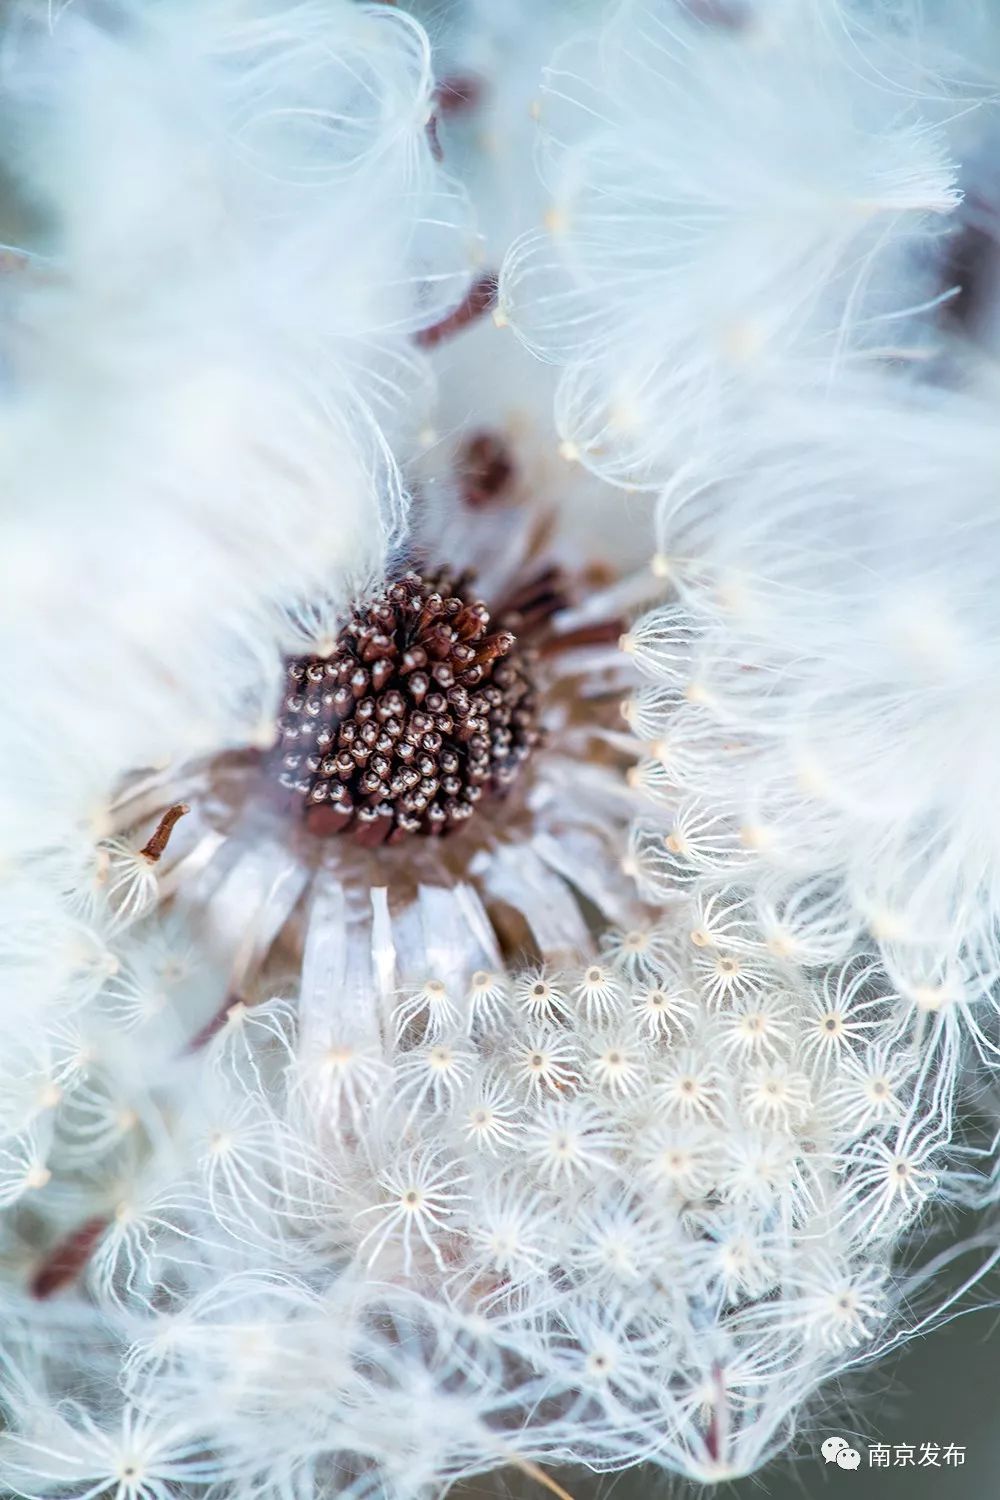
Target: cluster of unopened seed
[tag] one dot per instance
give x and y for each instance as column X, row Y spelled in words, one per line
column 419, row 712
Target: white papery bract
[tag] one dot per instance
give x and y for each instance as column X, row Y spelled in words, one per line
column 696, row 247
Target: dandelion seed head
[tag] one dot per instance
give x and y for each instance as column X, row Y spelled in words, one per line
column 598, row 1126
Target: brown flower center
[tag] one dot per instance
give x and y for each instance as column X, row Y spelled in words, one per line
column 419, row 712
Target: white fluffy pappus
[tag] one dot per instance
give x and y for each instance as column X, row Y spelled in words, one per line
column 819, row 709
column 490, row 61
column 533, row 1233
column 238, row 227
column 734, row 193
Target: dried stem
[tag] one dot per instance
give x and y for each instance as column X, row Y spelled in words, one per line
column 67, row 1258
column 153, row 851
column 477, row 302
column 539, row 1475
column 213, row 1025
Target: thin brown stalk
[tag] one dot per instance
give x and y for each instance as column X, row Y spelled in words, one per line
column 153, row 850
column 539, row 1475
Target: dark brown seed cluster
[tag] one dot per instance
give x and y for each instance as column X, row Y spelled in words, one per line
column 420, row 711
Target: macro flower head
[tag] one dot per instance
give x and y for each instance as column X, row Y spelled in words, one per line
column 497, row 861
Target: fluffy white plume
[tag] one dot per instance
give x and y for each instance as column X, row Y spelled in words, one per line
column 489, row 386
column 733, row 193
column 819, row 708
column 238, row 227
column 634, row 1211
column 816, row 706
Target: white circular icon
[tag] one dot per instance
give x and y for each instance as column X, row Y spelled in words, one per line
column 832, row 1446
